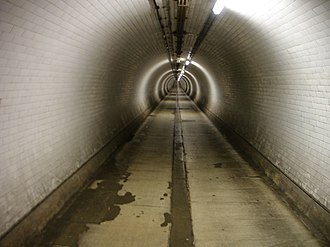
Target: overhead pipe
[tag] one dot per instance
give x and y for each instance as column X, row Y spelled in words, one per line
column 171, row 60
column 169, row 23
column 182, row 6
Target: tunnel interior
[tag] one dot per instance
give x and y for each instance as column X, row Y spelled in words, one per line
column 75, row 75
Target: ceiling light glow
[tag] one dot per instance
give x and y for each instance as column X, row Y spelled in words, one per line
column 218, row 7
column 248, row 7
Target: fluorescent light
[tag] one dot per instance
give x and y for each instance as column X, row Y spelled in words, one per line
column 250, row 7
column 189, row 55
column 218, row 7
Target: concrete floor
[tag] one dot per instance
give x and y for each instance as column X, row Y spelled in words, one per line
column 129, row 203
column 232, row 205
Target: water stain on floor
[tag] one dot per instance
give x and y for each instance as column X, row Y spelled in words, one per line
column 167, row 220
column 227, row 165
column 98, row 203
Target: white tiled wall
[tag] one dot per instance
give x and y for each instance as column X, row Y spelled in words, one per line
column 68, row 84
column 273, row 75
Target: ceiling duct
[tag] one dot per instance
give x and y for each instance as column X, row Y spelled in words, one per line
column 166, row 41
column 168, row 14
column 182, row 6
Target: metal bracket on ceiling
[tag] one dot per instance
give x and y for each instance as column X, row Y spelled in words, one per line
column 183, row 3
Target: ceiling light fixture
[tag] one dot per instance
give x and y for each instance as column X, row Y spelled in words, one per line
column 218, row 7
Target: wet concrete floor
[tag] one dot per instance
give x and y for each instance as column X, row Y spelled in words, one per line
column 129, row 201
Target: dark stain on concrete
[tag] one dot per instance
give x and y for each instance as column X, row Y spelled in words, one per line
column 109, row 186
column 218, row 165
column 254, row 177
column 112, row 213
column 188, row 121
column 244, row 176
column 167, row 220
column 125, row 176
column 227, row 165
column 93, row 205
column 127, row 198
column 70, row 238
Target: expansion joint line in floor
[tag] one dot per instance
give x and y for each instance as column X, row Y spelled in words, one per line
column 181, row 230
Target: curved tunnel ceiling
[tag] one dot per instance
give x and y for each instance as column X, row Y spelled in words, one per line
column 91, row 66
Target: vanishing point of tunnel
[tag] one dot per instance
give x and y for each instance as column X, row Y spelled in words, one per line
column 178, row 123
